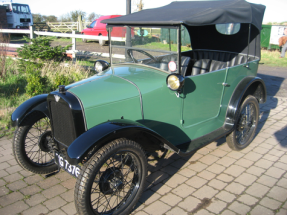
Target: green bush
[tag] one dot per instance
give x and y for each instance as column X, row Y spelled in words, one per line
column 60, row 79
column 40, row 52
column 40, row 48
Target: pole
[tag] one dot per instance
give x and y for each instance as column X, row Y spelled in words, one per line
column 74, row 47
column 128, row 32
column 249, row 31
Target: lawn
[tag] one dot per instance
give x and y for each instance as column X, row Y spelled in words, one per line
column 271, row 58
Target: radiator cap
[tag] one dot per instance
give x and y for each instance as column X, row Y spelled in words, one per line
column 62, row 89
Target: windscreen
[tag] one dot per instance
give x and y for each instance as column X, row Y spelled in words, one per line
column 150, row 46
column 21, row 8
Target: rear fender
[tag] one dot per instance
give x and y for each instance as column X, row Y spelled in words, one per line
column 89, row 142
column 254, row 86
column 36, row 103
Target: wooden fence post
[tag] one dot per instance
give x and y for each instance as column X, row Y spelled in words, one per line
column 74, row 47
column 80, row 23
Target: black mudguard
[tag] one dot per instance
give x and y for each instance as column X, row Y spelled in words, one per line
column 101, row 134
column 248, row 86
column 36, row 103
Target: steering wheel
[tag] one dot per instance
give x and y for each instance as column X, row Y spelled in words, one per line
column 129, row 52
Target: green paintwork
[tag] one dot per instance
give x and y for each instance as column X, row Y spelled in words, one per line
column 201, row 106
column 107, row 98
column 162, row 109
column 234, row 76
column 199, row 110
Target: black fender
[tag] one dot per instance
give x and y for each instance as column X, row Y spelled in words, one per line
column 98, row 136
column 248, row 86
column 36, row 103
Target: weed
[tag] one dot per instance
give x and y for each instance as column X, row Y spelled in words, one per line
column 27, row 196
column 4, row 41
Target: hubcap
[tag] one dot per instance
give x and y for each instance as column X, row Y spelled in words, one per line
column 44, row 141
column 111, row 181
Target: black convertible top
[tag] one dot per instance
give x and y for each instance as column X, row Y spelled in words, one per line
column 196, row 13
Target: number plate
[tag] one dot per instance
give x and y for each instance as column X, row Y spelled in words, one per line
column 64, row 164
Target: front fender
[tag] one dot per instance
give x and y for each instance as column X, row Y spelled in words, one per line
column 106, row 132
column 38, row 102
column 248, row 86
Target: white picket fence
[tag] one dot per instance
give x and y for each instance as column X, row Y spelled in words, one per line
column 73, row 36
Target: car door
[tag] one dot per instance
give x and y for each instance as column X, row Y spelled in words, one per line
column 202, row 97
column 90, row 30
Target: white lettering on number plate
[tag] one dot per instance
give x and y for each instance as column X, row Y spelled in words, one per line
column 72, row 169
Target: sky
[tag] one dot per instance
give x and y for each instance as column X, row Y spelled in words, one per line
column 275, row 9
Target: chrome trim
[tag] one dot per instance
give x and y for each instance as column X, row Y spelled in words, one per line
column 141, row 100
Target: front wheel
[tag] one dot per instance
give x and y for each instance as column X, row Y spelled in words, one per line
column 246, row 125
column 31, row 144
column 112, row 181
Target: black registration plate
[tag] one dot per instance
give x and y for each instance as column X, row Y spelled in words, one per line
column 64, row 164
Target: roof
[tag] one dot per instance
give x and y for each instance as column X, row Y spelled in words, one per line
column 196, row 13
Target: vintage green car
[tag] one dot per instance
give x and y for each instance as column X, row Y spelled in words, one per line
column 186, row 78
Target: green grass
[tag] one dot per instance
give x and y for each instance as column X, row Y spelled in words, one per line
column 271, row 58
column 12, row 94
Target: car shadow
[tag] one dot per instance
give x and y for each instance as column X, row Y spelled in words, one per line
column 162, row 166
column 281, row 135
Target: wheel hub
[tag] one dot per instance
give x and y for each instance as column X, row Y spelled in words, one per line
column 43, row 141
column 111, row 181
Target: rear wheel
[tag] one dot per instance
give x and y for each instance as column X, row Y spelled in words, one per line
column 246, row 125
column 31, row 144
column 112, row 181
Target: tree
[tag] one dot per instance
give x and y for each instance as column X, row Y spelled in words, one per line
column 50, row 18
column 75, row 14
column 92, row 16
column 37, row 17
column 65, row 18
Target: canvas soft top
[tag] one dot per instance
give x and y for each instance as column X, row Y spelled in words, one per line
column 196, row 13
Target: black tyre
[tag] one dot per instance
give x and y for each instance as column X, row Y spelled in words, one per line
column 246, row 125
column 112, row 181
column 30, row 144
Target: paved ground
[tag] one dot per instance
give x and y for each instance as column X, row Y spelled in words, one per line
column 215, row 180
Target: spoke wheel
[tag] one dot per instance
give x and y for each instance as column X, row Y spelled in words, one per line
column 246, row 125
column 113, row 179
column 31, row 144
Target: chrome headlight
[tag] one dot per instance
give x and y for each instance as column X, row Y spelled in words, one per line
column 174, row 82
column 101, row 65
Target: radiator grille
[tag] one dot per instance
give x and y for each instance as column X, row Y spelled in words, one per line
column 63, row 125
